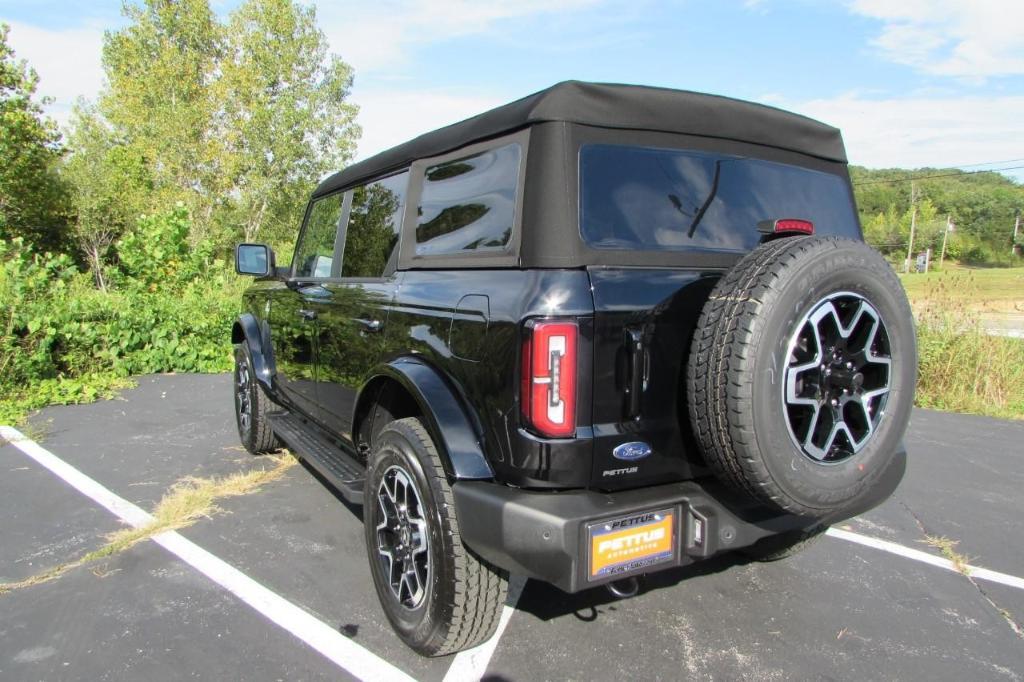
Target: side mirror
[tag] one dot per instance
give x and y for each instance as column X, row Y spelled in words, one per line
column 254, row 259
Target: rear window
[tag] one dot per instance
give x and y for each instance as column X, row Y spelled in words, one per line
column 468, row 205
column 373, row 225
column 667, row 199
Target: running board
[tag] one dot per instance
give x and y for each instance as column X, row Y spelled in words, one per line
column 333, row 463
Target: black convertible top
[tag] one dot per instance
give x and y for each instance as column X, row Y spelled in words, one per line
column 605, row 105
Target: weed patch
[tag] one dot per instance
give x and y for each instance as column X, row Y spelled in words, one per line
column 947, row 548
column 187, row 501
column 961, row 368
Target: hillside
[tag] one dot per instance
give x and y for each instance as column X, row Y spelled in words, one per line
column 982, row 207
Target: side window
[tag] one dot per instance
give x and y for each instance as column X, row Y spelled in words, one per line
column 373, row 226
column 314, row 255
column 469, row 204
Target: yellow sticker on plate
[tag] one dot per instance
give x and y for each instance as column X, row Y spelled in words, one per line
column 631, row 543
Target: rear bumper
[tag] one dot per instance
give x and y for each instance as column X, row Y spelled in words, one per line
column 544, row 534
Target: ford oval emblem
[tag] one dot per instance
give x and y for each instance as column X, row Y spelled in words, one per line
column 631, row 451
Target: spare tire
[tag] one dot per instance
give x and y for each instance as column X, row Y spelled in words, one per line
column 801, row 373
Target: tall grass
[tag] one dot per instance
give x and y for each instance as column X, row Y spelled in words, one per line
column 961, row 368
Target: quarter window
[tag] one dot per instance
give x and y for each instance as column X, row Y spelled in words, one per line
column 314, row 255
column 373, row 226
column 468, row 205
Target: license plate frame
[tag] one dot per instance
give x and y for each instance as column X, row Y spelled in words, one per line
column 631, row 543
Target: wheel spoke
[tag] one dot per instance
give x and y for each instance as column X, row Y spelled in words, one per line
column 414, row 581
column 419, row 536
column 812, row 428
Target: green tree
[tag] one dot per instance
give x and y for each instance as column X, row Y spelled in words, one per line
column 982, row 205
column 111, row 187
column 235, row 119
column 158, row 100
column 31, row 195
column 285, row 120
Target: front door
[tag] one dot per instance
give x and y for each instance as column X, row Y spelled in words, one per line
column 294, row 309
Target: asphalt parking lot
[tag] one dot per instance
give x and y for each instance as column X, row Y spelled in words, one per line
column 842, row 610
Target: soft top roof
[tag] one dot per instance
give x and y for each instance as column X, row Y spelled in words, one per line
column 632, row 107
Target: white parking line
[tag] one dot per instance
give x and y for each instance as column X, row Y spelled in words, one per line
column 471, row 665
column 329, row 642
column 925, row 557
column 468, row 665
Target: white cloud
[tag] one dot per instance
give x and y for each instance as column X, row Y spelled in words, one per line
column 67, row 61
column 391, row 117
column 377, row 39
column 969, row 39
column 924, row 131
column 374, row 36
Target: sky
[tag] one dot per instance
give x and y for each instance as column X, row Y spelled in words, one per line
column 911, row 83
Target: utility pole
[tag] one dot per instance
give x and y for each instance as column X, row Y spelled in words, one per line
column 945, row 237
column 1016, row 228
column 913, row 226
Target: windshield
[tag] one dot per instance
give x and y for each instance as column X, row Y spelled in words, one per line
column 668, row 199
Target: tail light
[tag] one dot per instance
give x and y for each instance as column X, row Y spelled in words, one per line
column 548, row 388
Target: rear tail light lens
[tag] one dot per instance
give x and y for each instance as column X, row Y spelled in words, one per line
column 548, row 382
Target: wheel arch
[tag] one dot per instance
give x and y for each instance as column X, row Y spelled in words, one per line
column 406, row 383
column 248, row 330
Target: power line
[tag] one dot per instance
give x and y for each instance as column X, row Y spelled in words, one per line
column 984, row 163
column 938, row 175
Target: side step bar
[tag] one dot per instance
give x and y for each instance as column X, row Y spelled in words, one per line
column 333, row 463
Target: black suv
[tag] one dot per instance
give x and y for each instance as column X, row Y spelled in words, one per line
column 598, row 332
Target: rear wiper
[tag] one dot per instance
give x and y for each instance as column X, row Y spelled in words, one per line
column 707, row 202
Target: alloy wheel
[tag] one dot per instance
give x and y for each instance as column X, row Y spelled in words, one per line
column 243, row 400
column 837, row 378
column 402, row 537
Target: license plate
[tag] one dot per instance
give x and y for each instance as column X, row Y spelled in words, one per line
column 631, row 543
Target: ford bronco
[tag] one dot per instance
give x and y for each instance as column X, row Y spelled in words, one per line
column 598, row 332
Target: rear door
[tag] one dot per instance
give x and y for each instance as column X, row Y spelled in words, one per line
column 354, row 312
column 294, row 308
column 693, row 204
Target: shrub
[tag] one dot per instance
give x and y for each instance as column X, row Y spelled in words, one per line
column 62, row 340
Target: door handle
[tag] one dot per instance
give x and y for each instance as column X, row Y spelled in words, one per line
column 372, row 326
column 307, row 315
column 638, row 371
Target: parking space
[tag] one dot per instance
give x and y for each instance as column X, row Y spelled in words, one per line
column 43, row 524
column 839, row 611
column 144, row 616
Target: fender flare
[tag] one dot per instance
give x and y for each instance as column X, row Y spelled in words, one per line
column 457, row 436
column 248, row 330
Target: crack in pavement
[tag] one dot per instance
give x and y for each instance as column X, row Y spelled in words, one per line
column 945, row 546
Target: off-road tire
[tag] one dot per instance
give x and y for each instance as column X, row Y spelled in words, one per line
column 465, row 595
column 258, row 438
column 739, row 356
column 784, row 545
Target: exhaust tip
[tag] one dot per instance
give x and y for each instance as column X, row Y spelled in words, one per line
column 625, row 588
